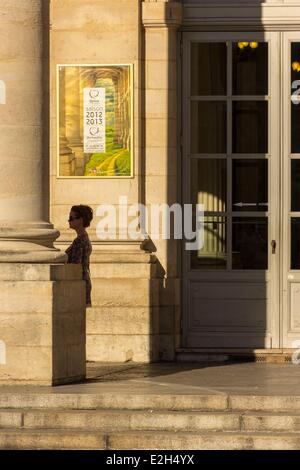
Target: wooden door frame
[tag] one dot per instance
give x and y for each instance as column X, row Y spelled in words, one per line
column 273, row 273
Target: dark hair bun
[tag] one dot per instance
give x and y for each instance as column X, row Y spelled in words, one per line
column 86, row 212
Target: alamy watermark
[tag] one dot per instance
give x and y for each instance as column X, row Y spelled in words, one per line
column 296, row 353
column 158, row 221
column 2, row 92
column 2, row 352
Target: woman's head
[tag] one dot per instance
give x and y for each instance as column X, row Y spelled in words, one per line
column 80, row 216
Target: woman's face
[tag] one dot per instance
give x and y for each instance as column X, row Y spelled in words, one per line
column 75, row 222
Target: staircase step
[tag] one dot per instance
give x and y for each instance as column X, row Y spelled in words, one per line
column 150, row 420
column 204, row 441
column 271, row 422
column 65, row 439
column 119, row 420
column 152, row 401
column 149, row 401
column 51, row 439
column 115, row 401
column 280, row 403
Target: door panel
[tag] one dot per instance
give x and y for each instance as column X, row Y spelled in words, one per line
column 231, row 148
column 291, row 192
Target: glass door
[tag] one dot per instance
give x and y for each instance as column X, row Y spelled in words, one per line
column 230, row 164
column 291, row 193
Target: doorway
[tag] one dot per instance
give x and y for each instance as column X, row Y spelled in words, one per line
column 232, row 163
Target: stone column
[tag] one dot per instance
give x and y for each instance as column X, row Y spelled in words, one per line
column 25, row 232
column 161, row 20
column 42, row 310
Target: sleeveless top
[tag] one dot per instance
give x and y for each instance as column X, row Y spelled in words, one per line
column 79, row 252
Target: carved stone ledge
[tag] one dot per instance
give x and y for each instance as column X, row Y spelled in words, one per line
column 161, row 14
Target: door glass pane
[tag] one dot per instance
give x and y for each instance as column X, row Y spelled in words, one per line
column 250, row 68
column 250, row 185
column 295, row 127
column 295, row 243
column 250, row 243
column 208, row 183
column 295, row 64
column 295, row 103
column 208, row 68
column 208, row 127
column 295, row 188
column 213, row 253
column 250, row 127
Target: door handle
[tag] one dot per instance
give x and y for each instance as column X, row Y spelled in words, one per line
column 273, row 245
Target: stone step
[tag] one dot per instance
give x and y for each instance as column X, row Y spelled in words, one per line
column 119, row 420
column 116, row 401
column 51, row 439
column 203, row 441
column 150, row 420
column 65, row 439
column 126, row 400
column 219, row 355
column 271, row 422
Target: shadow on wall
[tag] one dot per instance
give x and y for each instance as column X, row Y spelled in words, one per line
column 198, row 307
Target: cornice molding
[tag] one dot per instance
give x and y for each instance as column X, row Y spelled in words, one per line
column 162, row 14
column 268, row 14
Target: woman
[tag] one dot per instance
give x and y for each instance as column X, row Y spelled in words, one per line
column 81, row 248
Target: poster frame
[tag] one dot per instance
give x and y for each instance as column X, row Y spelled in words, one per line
column 131, row 72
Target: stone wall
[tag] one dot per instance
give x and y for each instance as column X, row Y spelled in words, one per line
column 135, row 313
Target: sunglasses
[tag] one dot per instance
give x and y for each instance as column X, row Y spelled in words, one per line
column 70, row 219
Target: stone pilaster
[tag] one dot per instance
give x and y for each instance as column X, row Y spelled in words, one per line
column 161, row 20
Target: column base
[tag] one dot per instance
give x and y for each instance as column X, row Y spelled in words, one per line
column 29, row 243
column 42, row 324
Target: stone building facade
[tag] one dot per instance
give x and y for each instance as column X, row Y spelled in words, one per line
column 213, row 123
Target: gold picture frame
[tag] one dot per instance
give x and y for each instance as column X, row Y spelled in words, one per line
column 94, row 120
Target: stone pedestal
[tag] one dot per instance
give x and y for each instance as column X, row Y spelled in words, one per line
column 123, row 323
column 42, row 324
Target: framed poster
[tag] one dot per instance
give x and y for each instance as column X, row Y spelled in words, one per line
column 95, row 121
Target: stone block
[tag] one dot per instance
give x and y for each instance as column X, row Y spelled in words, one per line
column 125, row 270
column 124, row 292
column 158, row 45
column 10, row 419
column 159, row 161
column 51, row 439
column 42, row 324
column 161, row 132
column 122, row 320
column 160, row 104
column 122, row 348
column 159, row 73
column 166, row 347
column 167, row 320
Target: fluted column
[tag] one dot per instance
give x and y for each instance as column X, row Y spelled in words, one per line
column 25, row 232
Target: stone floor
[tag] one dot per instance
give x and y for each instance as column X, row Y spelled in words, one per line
column 177, row 378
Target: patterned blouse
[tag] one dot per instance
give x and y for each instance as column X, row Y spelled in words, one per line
column 79, row 252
